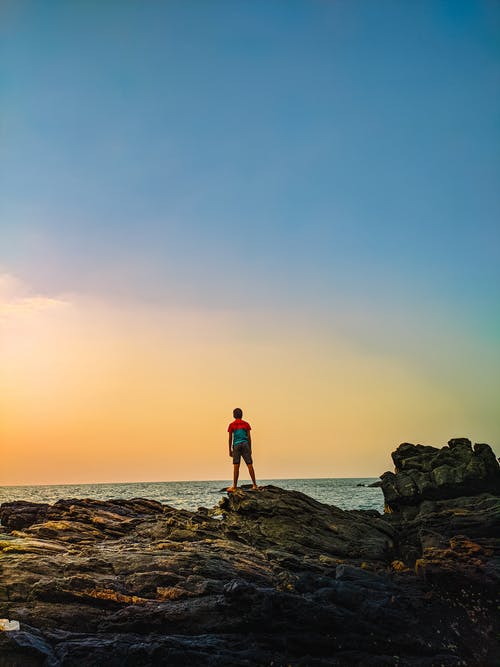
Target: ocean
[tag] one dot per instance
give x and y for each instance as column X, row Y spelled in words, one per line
column 348, row 493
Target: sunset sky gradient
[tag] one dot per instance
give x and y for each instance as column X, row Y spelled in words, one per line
column 292, row 207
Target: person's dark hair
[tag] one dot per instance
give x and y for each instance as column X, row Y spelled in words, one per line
column 237, row 413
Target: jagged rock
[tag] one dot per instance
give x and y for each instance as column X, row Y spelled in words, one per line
column 20, row 513
column 428, row 473
column 82, row 517
column 267, row 577
column 304, row 527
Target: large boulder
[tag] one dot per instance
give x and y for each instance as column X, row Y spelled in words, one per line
column 305, row 528
column 430, row 473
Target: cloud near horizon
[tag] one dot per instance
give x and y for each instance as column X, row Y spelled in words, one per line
column 16, row 297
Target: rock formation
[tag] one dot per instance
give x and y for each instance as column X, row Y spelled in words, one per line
column 269, row 577
column 428, row 473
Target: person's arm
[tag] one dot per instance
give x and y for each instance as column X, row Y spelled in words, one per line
column 249, row 440
column 230, row 444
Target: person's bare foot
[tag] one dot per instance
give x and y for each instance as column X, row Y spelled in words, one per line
column 255, row 487
column 231, row 489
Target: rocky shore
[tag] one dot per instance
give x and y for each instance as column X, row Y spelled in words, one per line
column 268, row 577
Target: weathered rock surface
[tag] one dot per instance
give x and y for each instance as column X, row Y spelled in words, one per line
column 268, row 577
column 429, row 473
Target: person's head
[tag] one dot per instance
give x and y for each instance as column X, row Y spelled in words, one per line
column 237, row 413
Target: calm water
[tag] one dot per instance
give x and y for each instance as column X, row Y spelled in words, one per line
column 344, row 493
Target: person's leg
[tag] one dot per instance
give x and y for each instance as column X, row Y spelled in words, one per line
column 236, row 474
column 252, row 475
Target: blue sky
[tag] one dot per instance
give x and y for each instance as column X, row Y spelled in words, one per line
column 337, row 160
column 355, row 141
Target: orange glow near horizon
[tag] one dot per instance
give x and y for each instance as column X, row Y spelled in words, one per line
column 92, row 393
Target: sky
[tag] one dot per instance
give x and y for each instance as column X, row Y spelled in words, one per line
column 287, row 206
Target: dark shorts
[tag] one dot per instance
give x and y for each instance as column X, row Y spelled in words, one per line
column 242, row 450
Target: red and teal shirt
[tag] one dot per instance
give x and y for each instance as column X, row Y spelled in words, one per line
column 239, row 429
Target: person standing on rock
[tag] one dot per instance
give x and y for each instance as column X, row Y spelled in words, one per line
column 240, row 445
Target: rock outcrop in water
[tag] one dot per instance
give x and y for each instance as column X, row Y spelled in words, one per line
column 270, row 577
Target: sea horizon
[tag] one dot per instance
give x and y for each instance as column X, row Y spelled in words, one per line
column 348, row 493
column 178, row 481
